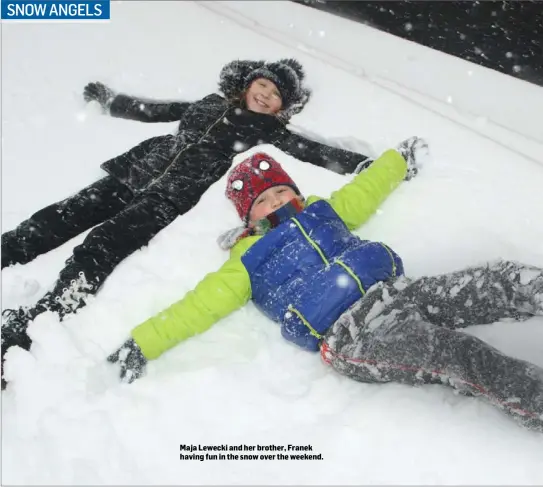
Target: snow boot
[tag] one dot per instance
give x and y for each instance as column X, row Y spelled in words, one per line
column 14, row 333
column 64, row 299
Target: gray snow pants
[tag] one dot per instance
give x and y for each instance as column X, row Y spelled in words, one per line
column 407, row 331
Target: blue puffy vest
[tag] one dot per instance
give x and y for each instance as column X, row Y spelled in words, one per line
column 310, row 269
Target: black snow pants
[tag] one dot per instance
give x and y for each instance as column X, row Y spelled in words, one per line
column 122, row 224
column 408, row 331
column 55, row 224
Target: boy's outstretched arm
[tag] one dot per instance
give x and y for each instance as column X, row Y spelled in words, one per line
column 338, row 160
column 359, row 199
column 132, row 108
column 217, row 295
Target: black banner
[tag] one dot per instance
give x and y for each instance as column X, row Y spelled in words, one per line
column 503, row 35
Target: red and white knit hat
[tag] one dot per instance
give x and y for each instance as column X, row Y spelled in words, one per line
column 252, row 177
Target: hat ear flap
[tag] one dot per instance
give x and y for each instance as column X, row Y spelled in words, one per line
column 296, row 106
column 233, row 75
column 295, row 65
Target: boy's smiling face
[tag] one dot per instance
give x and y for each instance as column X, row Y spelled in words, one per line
column 269, row 201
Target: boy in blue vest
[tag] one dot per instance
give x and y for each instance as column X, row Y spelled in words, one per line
column 331, row 291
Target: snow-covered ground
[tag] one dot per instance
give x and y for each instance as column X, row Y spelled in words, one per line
column 65, row 417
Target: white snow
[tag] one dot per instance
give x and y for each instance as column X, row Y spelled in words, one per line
column 66, row 419
column 528, row 275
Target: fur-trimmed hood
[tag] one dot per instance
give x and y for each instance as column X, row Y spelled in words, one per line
column 287, row 74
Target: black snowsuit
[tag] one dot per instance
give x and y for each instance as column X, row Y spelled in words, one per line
column 409, row 332
column 147, row 188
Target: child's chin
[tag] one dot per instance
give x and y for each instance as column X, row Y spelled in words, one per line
column 255, row 107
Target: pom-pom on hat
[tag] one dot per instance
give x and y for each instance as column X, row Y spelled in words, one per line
column 287, row 74
column 252, row 177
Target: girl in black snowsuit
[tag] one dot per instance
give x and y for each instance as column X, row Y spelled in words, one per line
column 161, row 178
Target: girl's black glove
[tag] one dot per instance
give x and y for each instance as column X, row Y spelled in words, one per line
column 131, row 361
column 100, row 93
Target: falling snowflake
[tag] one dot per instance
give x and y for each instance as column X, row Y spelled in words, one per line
column 408, row 26
column 240, row 146
column 342, row 280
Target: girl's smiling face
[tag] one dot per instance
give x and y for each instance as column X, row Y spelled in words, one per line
column 262, row 96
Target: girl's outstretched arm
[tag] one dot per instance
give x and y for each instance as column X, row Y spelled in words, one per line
column 341, row 161
column 134, row 108
column 144, row 110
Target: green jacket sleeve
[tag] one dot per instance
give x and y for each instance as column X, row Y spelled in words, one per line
column 357, row 200
column 217, row 295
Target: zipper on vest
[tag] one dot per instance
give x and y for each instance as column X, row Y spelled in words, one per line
column 313, row 244
column 352, row 274
column 325, row 260
column 312, row 330
column 391, row 258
